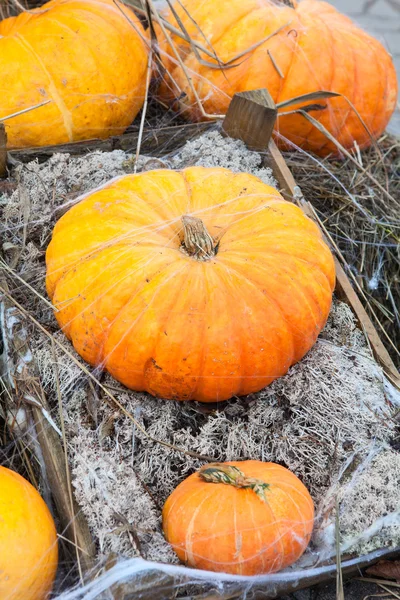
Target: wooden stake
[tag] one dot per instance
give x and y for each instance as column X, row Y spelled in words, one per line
column 344, row 288
column 3, row 151
column 158, row 141
column 251, row 118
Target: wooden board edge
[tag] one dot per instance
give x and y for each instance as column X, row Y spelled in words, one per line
column 72, row 519
column 168, row 138
column 155, row 584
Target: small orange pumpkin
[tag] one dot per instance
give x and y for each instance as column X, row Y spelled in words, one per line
column 85, row 57
column 28, row 541
column 194, row 285
column 312, row 48
column 245, row 518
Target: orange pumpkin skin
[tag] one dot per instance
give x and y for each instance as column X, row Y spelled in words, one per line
column 218, row 527
column 28, row 541
column 161, row 321
column 319, row 49
column 85, row 57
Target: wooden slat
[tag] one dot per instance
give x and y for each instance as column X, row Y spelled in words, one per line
column 157, row 585
column 158, row 140
column 73, row 522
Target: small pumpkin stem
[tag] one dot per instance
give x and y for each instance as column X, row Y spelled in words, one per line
column 230, row 475
column 197, row 242
column 288, row 3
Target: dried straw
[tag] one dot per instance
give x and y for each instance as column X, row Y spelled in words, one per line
column 364, row 225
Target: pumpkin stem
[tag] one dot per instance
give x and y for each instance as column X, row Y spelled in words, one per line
column 288, row 3
column 222, row 473
column 197, row 242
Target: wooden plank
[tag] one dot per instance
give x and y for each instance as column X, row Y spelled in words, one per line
column 251, row 118
column 73, row 522
column 282, row 173
column 3, row 151
column 158, row 140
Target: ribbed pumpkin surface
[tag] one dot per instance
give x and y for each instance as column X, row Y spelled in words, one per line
column 218, row 527
column 159, row 320
column 317, row 49
column 28, row 541
column 85, row 57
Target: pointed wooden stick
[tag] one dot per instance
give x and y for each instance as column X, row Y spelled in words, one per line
column 344, row 288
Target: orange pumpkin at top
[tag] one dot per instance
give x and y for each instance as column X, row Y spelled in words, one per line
column 244, row 518
column 194, row 285
column 312, row 48
column 88, row 58
column 28, row 541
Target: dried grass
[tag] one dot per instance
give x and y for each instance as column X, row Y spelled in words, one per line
column 363, row 223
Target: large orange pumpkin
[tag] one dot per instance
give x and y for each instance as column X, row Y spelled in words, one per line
column 200, row 284
column 28, row 541
column 245, row 518
column 82, row 55
column 316, row 48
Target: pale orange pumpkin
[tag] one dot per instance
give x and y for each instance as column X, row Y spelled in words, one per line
column 200, row 284
column 245, row 518
column 87, row 57
column 28, row 541
column 315, row 48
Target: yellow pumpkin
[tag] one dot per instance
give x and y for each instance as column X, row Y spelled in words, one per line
column 311, row 47
column 245, row 518
column 87, row 57
column 28, row 541
column 194, row 285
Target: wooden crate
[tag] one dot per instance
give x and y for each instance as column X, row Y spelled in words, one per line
column 251, row 118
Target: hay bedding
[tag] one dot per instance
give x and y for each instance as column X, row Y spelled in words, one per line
column 329, row 419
